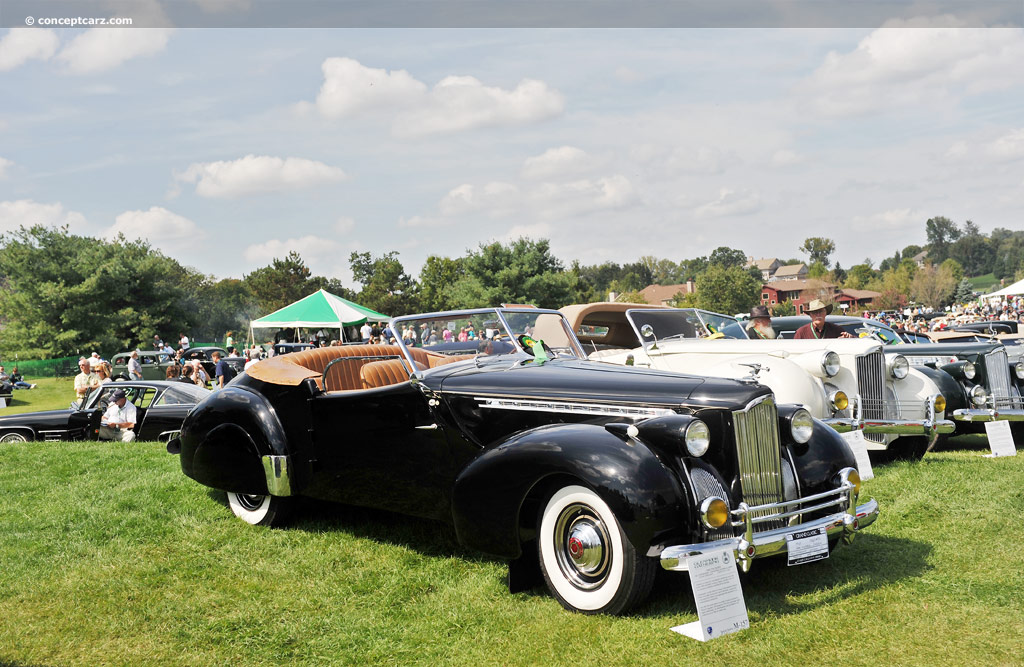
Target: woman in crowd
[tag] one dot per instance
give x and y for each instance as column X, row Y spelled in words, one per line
column 173, row 373
column 103, row 372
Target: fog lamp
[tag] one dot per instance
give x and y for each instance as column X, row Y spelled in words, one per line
column 839, row 400
column 698, row 438
column 714, row 512
column 853, row 477
column 979, row 395
column 940, row 403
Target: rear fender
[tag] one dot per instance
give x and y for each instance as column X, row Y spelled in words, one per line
column 490, row 494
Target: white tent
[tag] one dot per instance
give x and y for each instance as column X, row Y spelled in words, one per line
column 1012, row 290
column 319, row 310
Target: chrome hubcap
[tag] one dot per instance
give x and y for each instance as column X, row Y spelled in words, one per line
column 249, row 502
column 581, row 541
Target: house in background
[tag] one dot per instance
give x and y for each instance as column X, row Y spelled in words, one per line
column 766, row 265
column 663, row 295
column 802, row 292
column 790, row 272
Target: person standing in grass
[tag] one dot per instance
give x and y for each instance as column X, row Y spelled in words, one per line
column 85, row 381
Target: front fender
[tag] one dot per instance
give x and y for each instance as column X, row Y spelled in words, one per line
column 819, row 459
column 224, row 438
column 952, row 390
column 489, row 493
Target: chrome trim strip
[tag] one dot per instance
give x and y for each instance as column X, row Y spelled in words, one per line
column 597, row 409
column 278, row 471
column 988, row 415
column 773, row 543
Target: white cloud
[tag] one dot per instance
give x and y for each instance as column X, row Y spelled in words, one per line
column 922, row 60
column 222, row 6
column 255, row 174
column 4, row 164
column 730, row 202
column 100, row 49
column 555, row 162
column 900, row 218
column 957, row 150
column 1008, row 147
column 313, row 249
column 455, row 103
column 158, row 226
column 350, row 88
column 535, row 231
column 20, row 45
column 344, row 225
column 25, row 212
column 496, row 197
column 785, row 158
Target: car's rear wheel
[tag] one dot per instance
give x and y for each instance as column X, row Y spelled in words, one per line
column 588, row 563
column 13, row 436
column 260, row 510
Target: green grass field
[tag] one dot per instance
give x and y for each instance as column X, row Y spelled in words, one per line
column 110, row 556
column 49, row 394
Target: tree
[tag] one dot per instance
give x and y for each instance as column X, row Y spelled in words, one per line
column 594, row 282
column 818, row 249
column 783, row 309
column 387, row 288
column 1008, row 252
column 224, row 305
column 525, row 271
column 974, row 252
column 933, row 286
column 954, row 268
column 964, row 292
column 436, row 279
column 663, row 271
column 689, row 269
column 727, row 257
column 68, row 294
column 942, row 233
column 280, row 283
column 727, row 290
column 630, row 297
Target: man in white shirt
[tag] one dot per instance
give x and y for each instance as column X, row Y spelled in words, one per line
column 365, row 331
column 183, row 342
column 118, row 421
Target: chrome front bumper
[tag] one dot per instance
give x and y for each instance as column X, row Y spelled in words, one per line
column 845, row 523
column 988, row 415
column 927, row 425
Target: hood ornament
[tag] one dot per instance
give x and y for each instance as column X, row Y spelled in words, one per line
column 754, row 370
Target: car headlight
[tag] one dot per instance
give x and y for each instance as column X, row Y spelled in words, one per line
column 801, row 424
column 979, row 395
column 714, row 512
column 1019, row 370
column 698, row 438
column 899, row 367
column 830, row 363
column 839, row 399
column 970, row 370
column 940, row 403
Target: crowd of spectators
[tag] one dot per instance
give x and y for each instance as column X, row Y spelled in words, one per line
column 926, row 319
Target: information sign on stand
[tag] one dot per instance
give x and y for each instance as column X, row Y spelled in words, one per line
column 3, row 403
column 855, row 439
column 721, row 609
column 1000, row 439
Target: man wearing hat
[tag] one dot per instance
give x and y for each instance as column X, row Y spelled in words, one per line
column 760, row 325
column 819, row 328
column 118, row 421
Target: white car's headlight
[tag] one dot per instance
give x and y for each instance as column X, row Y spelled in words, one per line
column 830, row 364
column 801, row 424
column 899, row 367
column 970, row 370
column 698, row 438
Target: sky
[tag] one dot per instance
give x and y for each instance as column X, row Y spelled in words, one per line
column 226, row 148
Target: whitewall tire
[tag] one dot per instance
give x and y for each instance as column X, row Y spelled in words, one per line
column 587, row 562
column 13, row 436
column 259, row 510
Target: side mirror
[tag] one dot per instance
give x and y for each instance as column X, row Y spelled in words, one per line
column 647, row 331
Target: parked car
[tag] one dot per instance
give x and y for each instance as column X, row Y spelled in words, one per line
column 848, row 384
column 154, row 365
column 288, row 348
column 205, row 357
column 593, row 472
column 161, row 407
column 978, row 380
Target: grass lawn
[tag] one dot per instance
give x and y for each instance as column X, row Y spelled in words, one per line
column 985, row 283
column 49, row 394
column 110, row 556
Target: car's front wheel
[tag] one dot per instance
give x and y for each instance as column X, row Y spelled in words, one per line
column 259, row 510
column 588, row 563
column 13, row 436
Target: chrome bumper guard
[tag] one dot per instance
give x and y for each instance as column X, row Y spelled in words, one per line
column 278, row 472
column 928, row 425
column 846, row 523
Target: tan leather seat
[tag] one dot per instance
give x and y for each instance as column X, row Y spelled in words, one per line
column 383, row 373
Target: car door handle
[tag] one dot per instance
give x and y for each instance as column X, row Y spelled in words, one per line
column 428, row 427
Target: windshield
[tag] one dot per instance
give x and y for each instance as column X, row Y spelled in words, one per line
column 489, row 332
column 879, row 332
column 683, row 323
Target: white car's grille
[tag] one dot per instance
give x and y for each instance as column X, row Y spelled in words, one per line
column 871, row 386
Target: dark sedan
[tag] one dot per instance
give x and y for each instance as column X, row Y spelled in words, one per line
column 161, row 407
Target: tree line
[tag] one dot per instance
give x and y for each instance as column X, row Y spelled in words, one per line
column 62, row 294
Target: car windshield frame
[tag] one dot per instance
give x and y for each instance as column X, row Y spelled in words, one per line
column 508, row 333
column 709, row 323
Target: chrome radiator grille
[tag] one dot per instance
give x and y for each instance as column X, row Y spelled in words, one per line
column 871, row 386
column 997, row 370
column 759, row 454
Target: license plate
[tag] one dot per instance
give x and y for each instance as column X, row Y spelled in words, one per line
column 807, row 546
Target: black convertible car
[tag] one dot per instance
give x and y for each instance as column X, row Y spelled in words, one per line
column 161, row 407
column 586, row 474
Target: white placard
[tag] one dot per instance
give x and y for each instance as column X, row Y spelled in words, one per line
column 807, row 546
column 721, row 609
column 855, row 439
column 3, row 403
column 1000, row 439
